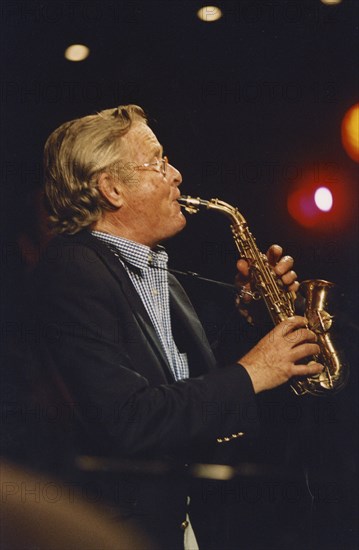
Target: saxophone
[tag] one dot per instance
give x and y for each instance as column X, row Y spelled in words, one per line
column 280, row 303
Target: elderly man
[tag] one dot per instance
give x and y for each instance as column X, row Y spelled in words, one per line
column 119, row 334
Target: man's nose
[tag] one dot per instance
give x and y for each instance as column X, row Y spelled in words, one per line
column 176, row 175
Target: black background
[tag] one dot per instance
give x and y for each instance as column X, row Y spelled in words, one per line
column 243, row 107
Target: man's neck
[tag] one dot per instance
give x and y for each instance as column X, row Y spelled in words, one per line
column 114, row 226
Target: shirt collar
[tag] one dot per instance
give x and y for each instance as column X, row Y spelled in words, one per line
column 136, row 254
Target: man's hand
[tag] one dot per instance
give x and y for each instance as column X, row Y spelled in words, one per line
column 282, row 266
column 274, row 360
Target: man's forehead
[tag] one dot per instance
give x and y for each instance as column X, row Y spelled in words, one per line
column 142, row 136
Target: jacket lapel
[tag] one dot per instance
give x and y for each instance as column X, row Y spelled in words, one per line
column 188, row 331
column 138, row 309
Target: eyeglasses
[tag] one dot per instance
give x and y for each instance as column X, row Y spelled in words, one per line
column 159, row 166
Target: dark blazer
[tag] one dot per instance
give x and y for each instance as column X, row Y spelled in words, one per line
column 100, row 349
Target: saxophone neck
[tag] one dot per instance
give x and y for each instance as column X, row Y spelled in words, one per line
column 193, row 205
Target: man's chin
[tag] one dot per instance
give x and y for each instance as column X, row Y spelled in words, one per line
column 176, row 230
column 183, row 222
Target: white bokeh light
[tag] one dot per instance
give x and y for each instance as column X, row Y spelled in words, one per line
column 77, row 52
column 323, row 199
column 330, row 2
column 209, row 14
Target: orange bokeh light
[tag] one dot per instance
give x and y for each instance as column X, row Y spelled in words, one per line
column 350, row 132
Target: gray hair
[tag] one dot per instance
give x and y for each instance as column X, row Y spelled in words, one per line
column 75, row 155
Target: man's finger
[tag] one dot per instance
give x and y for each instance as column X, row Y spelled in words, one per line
column 243, row 268
column 285, row 264
column 291, row 324
column 304, row 350
column 289, row 278
column 274, row 253
column 307, row 370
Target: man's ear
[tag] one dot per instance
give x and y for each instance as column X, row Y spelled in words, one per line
column 110, row 189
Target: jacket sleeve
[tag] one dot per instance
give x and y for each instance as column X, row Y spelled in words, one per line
column 86, row 337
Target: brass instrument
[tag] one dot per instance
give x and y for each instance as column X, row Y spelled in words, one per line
column 280, row 303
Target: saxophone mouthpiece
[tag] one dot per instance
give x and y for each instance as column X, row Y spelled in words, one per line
column 190, row 204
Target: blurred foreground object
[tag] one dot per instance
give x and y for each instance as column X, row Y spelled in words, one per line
column 44, row 514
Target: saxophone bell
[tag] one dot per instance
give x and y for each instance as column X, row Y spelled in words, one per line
column 335, row 374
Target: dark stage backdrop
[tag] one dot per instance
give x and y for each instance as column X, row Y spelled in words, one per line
column 247, row 108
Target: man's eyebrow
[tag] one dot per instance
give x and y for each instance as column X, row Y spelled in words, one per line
column 158, row 151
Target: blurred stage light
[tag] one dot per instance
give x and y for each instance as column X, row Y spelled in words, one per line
column 330, row 2
column 350, row 132
column 322, row 197
column 77, row 52
column 209, row 14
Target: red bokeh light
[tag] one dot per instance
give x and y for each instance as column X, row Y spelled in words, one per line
column 301, row 199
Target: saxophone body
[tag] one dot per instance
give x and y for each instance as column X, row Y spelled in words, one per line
column 280, row 303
